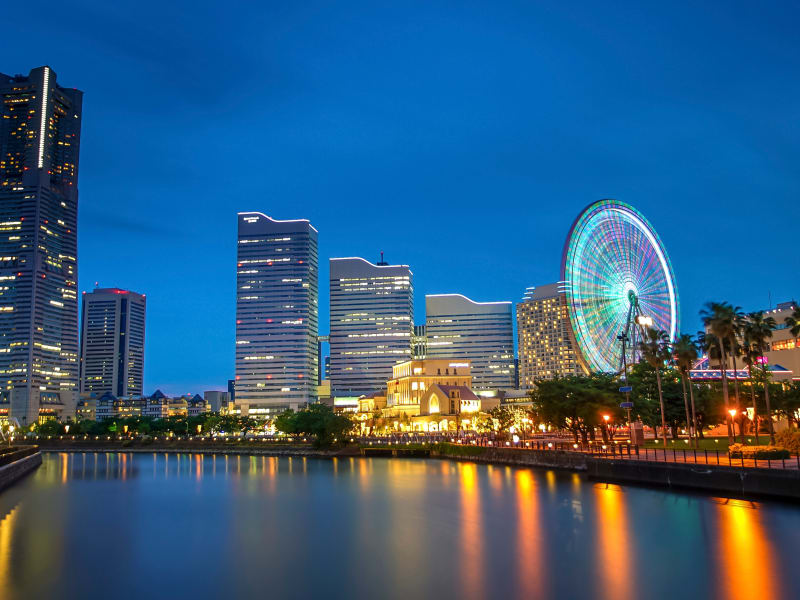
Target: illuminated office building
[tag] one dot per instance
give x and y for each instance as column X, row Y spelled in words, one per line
column 276, row 314
column 482, row 333
column 371, row 323
column 40, row 130
column 112, row 342
column 544, row 345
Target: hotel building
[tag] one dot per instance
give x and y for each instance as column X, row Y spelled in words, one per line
column 544, row 345
column 276, row 314
column 481, row 333
column 371, row 323
column 40, row 130
column 112, row 342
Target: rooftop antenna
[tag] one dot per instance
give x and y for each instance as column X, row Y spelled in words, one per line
column 381, row 263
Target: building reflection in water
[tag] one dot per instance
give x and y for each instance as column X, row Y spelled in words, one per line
column 454, row 529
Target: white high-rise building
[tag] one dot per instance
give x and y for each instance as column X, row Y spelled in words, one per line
column 112, row 342
column 277, row 314
column 371, row 323
column 479, row 332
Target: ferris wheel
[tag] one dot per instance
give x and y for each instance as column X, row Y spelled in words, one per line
column 617, row 279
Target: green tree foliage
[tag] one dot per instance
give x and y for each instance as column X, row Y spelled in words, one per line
column 317, row 421
column 578, row 403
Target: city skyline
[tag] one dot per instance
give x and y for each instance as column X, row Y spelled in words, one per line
column 567, row 125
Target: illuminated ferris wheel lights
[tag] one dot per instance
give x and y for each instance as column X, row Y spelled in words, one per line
column 644, row 321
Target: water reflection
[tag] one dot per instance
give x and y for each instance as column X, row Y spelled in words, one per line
column 366, row 528
column 472, row 541
column 748, row 560
column 615, row 560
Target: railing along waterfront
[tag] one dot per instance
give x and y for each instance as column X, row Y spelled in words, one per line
column 620, row 450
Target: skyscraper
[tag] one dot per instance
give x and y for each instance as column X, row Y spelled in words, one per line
column 479, row 332
column 371, row 323
column 277, row 314
column 40, row 130
column 112, row 342
column 544, row 344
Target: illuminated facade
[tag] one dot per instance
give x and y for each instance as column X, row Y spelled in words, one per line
column 543, row 339
column 481, row 333
column 112, row 342
column 276, row 314
column 39, row 145
column 411, row 380
column 371, row 323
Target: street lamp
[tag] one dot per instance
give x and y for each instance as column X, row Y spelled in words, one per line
column 732, row 413
column 605, row 422
column 525, row 422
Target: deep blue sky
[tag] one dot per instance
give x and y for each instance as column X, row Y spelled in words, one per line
column 462, row 140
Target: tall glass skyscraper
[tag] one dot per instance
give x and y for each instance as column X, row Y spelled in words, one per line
column 371, row 323
column 40, row 128
column 112, row 342
column 277, row 312
column 480, row 332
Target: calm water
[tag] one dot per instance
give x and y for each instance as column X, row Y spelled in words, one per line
column 97, row 526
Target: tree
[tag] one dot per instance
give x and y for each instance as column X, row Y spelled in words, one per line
column 759, row 330
column 750, row 357
column 685, row 354
column 318, row 420
column 720, row 318
column 655, row 351
column 578, row 402
column 793, row 321
column 788, row 400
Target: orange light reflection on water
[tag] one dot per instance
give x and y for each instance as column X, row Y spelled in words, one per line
column 472, row 561
column 615, row 559
column 531, row 543
column 748, row 566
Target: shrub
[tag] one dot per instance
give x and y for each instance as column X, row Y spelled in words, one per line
column 765, row 452
column 789, row 440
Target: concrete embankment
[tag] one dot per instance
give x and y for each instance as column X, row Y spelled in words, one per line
column 740, row 481
column 736, row 481
column 553, row 459
column 17, row 464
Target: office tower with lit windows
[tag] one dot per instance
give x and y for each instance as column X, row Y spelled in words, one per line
column 544, row 345
column 277, row 314
column 112, row 342
column 40, row 129
column 479, row 332
column 371, row 323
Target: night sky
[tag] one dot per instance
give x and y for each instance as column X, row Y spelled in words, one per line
column 460, row 138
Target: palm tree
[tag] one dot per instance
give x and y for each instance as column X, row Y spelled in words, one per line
column 759, row 330
column 719, row 318
column 655, row 350
column 751, row 358
column 684, row 351
column 793, row 321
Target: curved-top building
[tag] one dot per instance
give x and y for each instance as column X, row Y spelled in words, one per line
column 371, row 323
column 479, row 332
column 276, row 314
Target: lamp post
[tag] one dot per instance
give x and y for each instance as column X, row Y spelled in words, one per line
column 525, row 421
column 606, row 418
column 732, row 413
